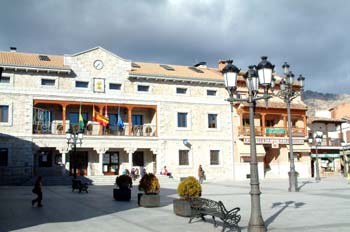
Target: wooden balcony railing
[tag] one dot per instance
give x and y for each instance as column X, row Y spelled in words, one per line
column 272, row 131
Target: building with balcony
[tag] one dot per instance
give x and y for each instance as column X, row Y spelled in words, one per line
column 158, row 115
column 330, row 150
column 272, row 139
column 160, row 106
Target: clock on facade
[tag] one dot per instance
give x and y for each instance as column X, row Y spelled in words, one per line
column 98, row 64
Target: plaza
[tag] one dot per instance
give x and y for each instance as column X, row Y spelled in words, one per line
column 322, row 206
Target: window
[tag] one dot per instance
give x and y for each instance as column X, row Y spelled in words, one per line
column 81, row 84
column 183, row 158
column 167, row 67
column 137, row 120
column 4, row 80
column 4, row 113
column 181, row 90
column 4, row 157
column 212, row 121
column 114, row 86
column 214, row 157
column 211, row 92
column 143, row 88
column 181, row 119
column 45, row 159
column 48, row 82
column 74, row 119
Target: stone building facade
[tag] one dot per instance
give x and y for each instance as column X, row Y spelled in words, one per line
column 174, row 116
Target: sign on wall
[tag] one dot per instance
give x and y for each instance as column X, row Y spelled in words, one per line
column 274, row 141
column 99, row 85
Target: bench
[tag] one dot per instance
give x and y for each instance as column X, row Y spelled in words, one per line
column 78, row 184
column 201, row 207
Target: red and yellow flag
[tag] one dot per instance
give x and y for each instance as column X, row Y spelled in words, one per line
column 96, row 116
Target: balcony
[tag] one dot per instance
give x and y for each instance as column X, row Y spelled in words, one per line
column 126, row 120
column 271, row 131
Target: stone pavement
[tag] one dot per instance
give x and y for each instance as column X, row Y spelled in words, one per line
column 323, row 206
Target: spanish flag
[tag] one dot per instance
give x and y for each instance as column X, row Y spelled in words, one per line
column 96, row 116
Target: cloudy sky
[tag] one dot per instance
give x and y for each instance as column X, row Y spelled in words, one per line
column 312, row 36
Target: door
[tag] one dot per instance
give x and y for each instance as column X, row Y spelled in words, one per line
column 111, row 163
column 81, row 159
column 138, row 159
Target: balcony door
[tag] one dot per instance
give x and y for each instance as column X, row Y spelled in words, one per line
column 111, row 163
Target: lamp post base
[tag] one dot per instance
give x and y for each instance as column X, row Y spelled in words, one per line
column 293, row 182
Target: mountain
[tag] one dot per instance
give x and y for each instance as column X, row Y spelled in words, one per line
column 322, row 101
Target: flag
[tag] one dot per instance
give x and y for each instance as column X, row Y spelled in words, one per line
column 93, row 113
column 100, row 118
column 120, row 120
column 81, row 120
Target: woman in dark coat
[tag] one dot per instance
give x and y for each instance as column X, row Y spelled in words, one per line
column 38, row 191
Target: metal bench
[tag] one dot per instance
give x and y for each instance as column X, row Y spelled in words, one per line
column 201, row 207
column 77, row 184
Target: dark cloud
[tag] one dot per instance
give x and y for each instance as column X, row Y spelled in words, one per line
column 311, row 35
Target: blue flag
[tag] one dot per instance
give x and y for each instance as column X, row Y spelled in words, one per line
column 120, row 120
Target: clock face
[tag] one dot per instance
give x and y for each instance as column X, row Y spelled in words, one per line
column 98, row 64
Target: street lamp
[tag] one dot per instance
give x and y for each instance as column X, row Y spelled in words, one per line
column 260, row 74
column 343, row 144
column 287, row 93
column 74, row 138
column 318, row 142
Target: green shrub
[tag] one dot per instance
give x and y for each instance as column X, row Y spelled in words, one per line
column 189, row 188
column 149, row 183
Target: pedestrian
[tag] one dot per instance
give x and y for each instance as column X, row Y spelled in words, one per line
column 38, row 191
column 201, row 174
column 143, row 171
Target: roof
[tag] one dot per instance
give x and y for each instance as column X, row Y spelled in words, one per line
column 320, row 119
column 30, row 60
column 155, row 69
column 276, row 103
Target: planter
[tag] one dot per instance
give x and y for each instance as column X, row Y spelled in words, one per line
column 149, row 200
column 182, row 207
column 122, row 194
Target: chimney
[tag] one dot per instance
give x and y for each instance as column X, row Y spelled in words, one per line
column 201, row 65
column 13, row 49
column 221, row 64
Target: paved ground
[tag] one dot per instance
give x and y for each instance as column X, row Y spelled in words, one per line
column 323, row 206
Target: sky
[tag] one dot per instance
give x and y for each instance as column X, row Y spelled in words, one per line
column 312, row 36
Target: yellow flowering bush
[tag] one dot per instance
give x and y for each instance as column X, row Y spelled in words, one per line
column 149, row 183
column 189, row 188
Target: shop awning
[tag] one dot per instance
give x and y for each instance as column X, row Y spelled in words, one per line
column 244, row 149
column 300, row 148
column 326, row 155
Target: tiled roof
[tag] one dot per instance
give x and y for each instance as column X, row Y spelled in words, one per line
column 18, row 59
column 154, row 69
column 320, row 119
column 277, row 103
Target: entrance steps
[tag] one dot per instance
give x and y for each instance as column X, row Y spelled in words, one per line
column 91, row 180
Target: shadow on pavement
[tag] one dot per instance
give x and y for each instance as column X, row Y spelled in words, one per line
column 283, row 205
column 63, row 205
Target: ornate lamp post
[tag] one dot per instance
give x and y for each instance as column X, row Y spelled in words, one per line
column 74, row 138
column 288, row 93
column 343, row 144
column 260, row 74
column 318, row 142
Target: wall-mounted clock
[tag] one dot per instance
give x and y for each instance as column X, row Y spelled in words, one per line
column 98, row 64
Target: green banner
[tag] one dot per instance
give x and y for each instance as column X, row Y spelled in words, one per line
column 271, row 130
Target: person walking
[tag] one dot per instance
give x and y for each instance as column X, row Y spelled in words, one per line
column 201, row 174
column 38, row 191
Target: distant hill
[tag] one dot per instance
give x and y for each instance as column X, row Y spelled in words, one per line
column 323, row 101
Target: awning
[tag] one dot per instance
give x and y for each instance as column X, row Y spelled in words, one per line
column 244, row 149
column 300, row 148
column 326, row 155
